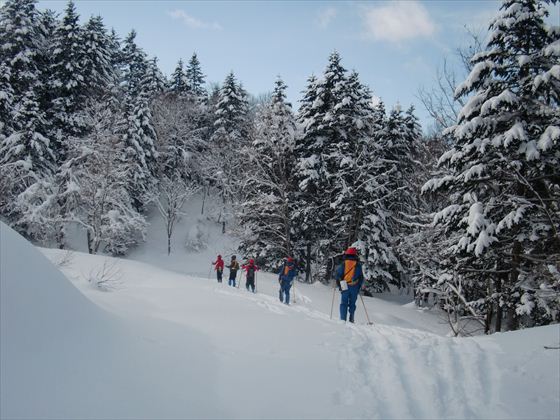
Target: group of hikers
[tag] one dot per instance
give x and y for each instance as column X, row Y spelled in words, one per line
column 349, row 279
column 286, row 275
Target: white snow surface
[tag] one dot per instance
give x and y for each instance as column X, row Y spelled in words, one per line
column 164, row 344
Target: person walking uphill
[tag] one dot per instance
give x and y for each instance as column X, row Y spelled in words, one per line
column 286, row 278
column 349, row 277
column 250, row 269
column 233, row 267
column 219, row 267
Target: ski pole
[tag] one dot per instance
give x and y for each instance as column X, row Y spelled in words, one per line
column 295, row 300
column 255, row 281
column 210, row 271
column 332, row 303
column 367, row 316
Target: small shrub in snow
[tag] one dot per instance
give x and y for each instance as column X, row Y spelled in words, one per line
column 65, row 260
column 107, row 277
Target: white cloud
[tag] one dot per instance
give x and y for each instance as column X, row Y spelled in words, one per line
column 193, row 22
column 326, row 16
column 398, row 21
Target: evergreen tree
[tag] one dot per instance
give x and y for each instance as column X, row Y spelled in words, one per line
column 503, row 178
column 231, row 115
column 116, row 57
column 179, row 83
column 139, row 139
column 20, row 39
column 266, row 210
column 134, row 66
column 48, row 24
column 26, row 155
column 98, row 70
column 318, row 160
column 195, row 77
column 154, row 83
column 231, row 131
column 6, row 102
column 67, row 81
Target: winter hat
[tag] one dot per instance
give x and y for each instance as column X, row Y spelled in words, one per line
column 351, row 251
column 219, row 256
column 251, row 261
column 290, row 259
column 233, row 257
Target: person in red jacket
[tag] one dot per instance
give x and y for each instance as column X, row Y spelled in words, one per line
column 250, row 269
column 219, row 267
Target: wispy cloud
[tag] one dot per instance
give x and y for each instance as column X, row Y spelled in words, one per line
column 398, row 21
column 193, row 22
column 325, row 17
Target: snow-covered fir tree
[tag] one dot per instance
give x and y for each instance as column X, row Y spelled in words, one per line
column 26, row 154
column 265, row 212
column 67, row 81
column 178, row 82
column 195, row 77
column 315, row 165
column 399, row 137
column 154, row 82
column 99, row 73
column 134, row 64
column 231, row 131
column 503, row 178
column 139, row 138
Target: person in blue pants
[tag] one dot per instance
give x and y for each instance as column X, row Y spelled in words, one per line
column 286, row 277
column 349, row 277
column 233, row 267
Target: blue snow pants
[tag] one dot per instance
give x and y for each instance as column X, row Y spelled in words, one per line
column 232, row 276
column 285, row 286
column 348, row 302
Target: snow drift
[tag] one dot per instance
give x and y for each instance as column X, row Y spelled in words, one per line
column 61, row 356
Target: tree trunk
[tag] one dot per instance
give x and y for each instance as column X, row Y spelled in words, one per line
column 203, row 200
column 498, row 307
column 308, row 263
column 60, row 237
column 489, row 309
column 512, row 321
column 89, row 242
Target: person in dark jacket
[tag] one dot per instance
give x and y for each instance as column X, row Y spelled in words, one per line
column 250, row 270
column 233, row 267
column 286, row 277
column 349, row 277
column 219, row 267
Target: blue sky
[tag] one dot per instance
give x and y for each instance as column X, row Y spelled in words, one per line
column 396, row 46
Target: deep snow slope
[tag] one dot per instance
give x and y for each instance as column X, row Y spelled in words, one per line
column 274, row 361
column 168, row 345
column 61, row 356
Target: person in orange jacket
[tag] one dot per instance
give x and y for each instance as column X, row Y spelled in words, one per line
column 219, row 267
column 349, row 277
column 250, row 270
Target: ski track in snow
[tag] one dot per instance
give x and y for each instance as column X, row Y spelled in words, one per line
column 431, row 376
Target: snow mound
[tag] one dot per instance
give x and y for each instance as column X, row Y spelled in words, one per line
column 61, row 356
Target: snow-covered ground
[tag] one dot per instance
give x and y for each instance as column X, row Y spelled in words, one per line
column 167, row 344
